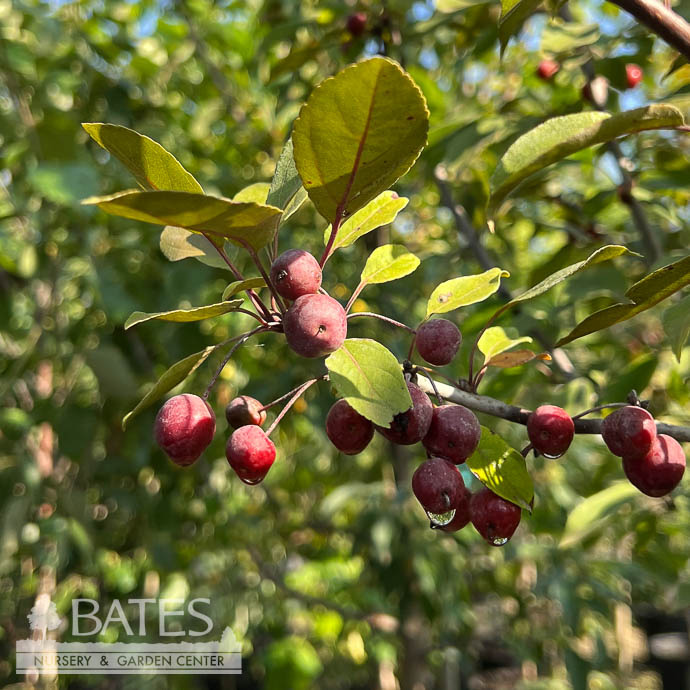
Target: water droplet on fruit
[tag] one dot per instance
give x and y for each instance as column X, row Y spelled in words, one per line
column 552, row 457
column 499, row 541
column 252, row 482
column 440, row 519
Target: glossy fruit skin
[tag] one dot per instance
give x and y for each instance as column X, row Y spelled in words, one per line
column 348, row 431
column 493, row 517
column 438, row 485
column 184, row 428
column 453, row 434
column 633, row 75
column 629, row 431
column 659, row 471
column 412, row 425
column 315, row 325
column 244, row 410
column 295, row 273
column 357, row 23
column 462, row 512
column 547, row 69
column 250, row 453
column 437, row 341
column 550, row 430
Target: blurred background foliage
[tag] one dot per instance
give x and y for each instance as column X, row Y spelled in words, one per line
column 327, row 572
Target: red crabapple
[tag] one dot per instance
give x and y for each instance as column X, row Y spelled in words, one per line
column 357, row 23
column 244, row 410
column 547, row 68
column 438, row 485
column 295, row 273
column 633, row 75
column 250, row 453
column 493, row 517
column 462, row 512
column 315, row 325
column 659, row 471
column 412, row 425
column 630, row 431
column 454, row 433
column 184, row 428
column 438, row 341
column 550, row 430
column 348, row 431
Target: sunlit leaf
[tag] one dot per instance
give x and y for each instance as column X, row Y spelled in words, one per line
column 513, row 16
column 256, row 192
column 459, row 292
column 506, row 360
column 178, row 243
column 494, row 341
column 388, row 262
column 370, row 378
column 242, row 285
column 184, row 315
column 676, row 322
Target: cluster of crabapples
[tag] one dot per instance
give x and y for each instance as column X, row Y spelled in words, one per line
column 315, row 325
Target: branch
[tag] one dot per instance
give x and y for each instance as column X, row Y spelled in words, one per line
column 518, row 415
column 661, row 20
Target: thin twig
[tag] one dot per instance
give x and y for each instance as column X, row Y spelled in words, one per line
column 354, row 296
column 268, row 406
column 255, row 258
column 374, row 315
column 299, row 392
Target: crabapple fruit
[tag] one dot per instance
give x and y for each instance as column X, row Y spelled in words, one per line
column 493, row 517
column 454, row 433
column 348, row 431
column 629, row 431
column 184, row 428
column 357, row 23
column 550, row 430
column 438, row 485
column 244, row 410
column 412, row 425
column 315, row 325
column 295, row 273
column 438, row 341
column 462, row 513
column 633, row 75
column 250, row 453
column 547, row 68
column 659, row 471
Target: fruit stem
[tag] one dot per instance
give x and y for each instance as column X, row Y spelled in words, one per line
column 597, row 408
column 331, row 240
column 241, row 339
column 300, row 390
column 354, row 296
column 264, row 275
column 433, row 385
column 410, row 352
column 268, row 406
column 373, row 315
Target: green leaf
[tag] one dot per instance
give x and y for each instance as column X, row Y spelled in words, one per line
column 357, row 134
column 644, row 294
column 370, row 378
column 178, row 243
column 184, row 315
column 564, row 37
column 256, row 192
column 389, row 262
column 494, row 341
column 152, row 166
column 378, row 212
column 172, row 377
column 286, row 181
column 591, row 513
column 514, row 13
column 241, row 286
column 459, row 292
column 502, row 469
column 562, row 136
column 676, row 320
column 239, row 222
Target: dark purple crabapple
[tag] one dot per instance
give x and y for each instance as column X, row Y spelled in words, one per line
column 438, row 485
column 659, row 471
column 244, row 410
column 184, row 428
column 295, row 273
column 357, row 23
column 315, row 325
column 250, row 453
column 629, row 431
column 454, row 433
column 412, row 425
column 348, row 431
column 493, row 517
column 550, row 430
column 437, row 341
